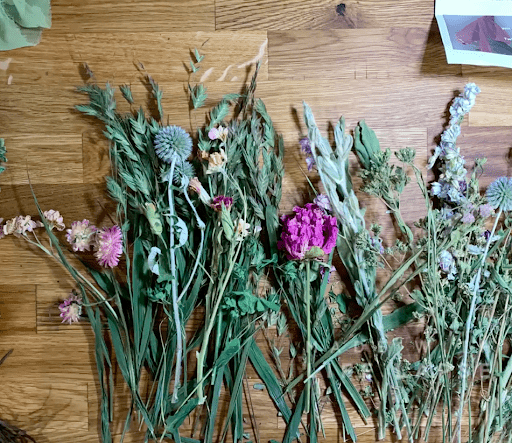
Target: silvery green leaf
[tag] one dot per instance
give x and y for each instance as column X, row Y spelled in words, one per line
column 183, row 232
column 259, row 386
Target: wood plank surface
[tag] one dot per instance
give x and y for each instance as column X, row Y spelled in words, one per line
column 376, row 60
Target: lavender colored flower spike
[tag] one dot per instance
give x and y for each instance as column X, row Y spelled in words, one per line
column 109, row 246
column 308, row 233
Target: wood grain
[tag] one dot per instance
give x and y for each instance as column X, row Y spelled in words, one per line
column 376, row 60
column 285, row 14
column 387, row 53
column 72, row 16
column 118, row 57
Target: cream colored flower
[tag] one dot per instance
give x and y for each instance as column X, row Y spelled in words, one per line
column 216, row 161
column 242, row 230
column 9, row 227
column 222, row 133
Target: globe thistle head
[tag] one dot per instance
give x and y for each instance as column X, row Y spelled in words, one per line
column 171, row 141
column 183, row 169
column 499, row 194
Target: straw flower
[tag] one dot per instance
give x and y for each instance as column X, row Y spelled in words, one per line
column 109, row 246
column 22, row 225
column 219, row 133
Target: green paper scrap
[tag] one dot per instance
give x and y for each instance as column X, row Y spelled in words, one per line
column 22, row 22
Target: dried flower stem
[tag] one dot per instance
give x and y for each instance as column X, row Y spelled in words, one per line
column 308, row 341
column 174, row 286
column 469, row 324
column 204, row 347
column 202, row 227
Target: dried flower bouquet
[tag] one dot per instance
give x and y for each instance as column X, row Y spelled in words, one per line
column 197, row 233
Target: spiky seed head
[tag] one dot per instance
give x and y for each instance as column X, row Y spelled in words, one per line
column 183, row 169
column 499, row 193
column 170, row 141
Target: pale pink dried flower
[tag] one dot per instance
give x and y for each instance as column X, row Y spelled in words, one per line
column 23, row 224
column 71, row 309
column 54, row 219
column 81, row 235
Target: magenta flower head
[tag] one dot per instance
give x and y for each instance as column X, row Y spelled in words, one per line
column 309, row 233
column 220, row 200
column 71, row 309
column 109, row 246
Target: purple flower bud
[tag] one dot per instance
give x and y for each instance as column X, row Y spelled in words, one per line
column 220, row 200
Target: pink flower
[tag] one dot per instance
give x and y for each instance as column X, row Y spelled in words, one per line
column 221, row 200
column 81, row 235
column 109, row 246
column 213, row 133
column 71, row 309
column 54, row 219
column 308, row 234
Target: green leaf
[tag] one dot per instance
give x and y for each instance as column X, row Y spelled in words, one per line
column 127, row 93
column 198, row 56
column 292, row 430
column 366, row 144
column 175, row 421
column 227, row 224
column 230, row 350
column 268, row 377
